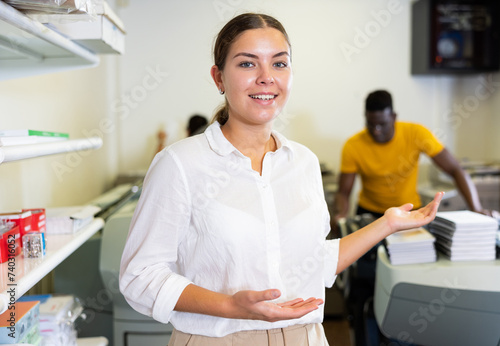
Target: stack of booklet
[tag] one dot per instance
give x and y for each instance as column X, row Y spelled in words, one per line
column 465, row 236
column 411, row 246
column 25, row 136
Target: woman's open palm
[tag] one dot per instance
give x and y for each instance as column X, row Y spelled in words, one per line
column 403, row 217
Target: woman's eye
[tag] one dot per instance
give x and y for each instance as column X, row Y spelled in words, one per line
column 246, row 64
column 281, row 64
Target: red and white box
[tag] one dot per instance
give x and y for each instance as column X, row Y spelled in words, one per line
column 10, row 244
column 38, row 221
column 20, row 218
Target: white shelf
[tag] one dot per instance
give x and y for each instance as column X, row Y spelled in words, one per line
column 95, row 341
column 28, row 151
column 28, row 271
column 28, row 47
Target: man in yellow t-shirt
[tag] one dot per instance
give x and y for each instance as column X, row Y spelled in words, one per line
column 385, row 155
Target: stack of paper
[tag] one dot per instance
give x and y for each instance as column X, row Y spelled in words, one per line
column 25, row 136
column 411, row 246
column 465, row 236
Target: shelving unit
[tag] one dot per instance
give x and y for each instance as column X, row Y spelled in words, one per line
column 29, row 48
column 21, row 152
column 27, row 272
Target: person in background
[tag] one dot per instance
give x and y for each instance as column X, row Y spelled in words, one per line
column 228, row 239
column 385, row 155
column 196, row 125
column 162, row 141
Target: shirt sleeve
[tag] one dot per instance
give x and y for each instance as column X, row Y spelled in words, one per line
column 148, row 279
column 331, row 261
column 428, row 143
column 331, row 247
column 348, row 161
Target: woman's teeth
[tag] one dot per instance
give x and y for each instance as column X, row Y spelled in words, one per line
column 263, row 97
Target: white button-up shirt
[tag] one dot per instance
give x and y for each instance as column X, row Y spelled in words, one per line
column 206, row 217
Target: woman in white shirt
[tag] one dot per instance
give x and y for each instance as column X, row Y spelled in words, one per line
column 228, row 238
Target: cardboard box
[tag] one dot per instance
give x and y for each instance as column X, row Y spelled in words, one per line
column 66, row 220
column 57, row 316
column 10, row 244
column 18, row 321
column 38, row 222
column 32, row 337
column 101, row 36
column 20, row 218
column 102, row 33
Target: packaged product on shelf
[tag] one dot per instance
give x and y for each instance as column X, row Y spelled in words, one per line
column 38, row 221
column 10, row 240
column 101, row 31
column 53, row 6
column 20, row 218
column 21, row 323
column 27, row 136
column 34, row 245
column 67, row 220
column 58, row 314
column 32, row 337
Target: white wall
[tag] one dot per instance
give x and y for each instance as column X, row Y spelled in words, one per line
column 330, row 82
column 164, row 78
column 72, row 102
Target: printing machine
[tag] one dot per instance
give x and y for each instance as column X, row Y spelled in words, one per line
column 129, row 327
column 438, row 304
column 486, row 178
column 107, row 311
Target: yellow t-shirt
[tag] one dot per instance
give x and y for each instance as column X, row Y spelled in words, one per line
column 389, row 170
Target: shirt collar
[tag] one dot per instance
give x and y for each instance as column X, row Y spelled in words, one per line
column 219, row 144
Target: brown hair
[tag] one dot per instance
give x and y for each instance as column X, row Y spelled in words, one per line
column 228, row 34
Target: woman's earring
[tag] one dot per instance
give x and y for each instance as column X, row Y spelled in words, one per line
column 221, row 92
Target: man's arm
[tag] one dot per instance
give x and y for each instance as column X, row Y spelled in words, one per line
column 341, row 202
column 463, row 181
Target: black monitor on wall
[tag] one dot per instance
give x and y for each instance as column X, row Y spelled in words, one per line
column 455, row 36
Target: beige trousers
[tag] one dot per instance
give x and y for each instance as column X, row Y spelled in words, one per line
column 299, row 335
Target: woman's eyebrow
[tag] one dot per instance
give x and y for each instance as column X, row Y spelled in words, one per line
column 253, row 56
column 281, row 54
column 248, row 55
